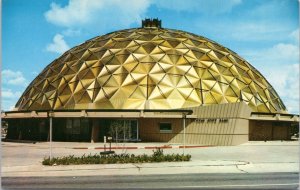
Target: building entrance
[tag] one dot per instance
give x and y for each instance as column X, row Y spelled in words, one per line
column 121, row 130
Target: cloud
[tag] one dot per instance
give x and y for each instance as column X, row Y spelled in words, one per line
column 278, row 55
column 258, row 22
column 9, row 98
column 34, row 73
column 79, row 13
column 247, row 30
column 76, row 12
column 211, row 7
column 274, row 9
column 9, row 94
column 295, row 35
column 7, row 104
column 280, row 65
column 58, row 45
column 13, row 78
column 13, row 82
column 285, row 80
column 255, row 30
column 71, row 32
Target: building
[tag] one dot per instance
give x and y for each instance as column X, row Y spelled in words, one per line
column 150, row 84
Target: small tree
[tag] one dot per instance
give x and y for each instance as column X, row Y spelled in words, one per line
column 116, row 127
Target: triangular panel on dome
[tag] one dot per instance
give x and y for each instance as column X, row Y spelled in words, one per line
column 66, row 90
column 164, row 90
column 122, row 44
column 147, row 59
column 121, row 70
column 153, row 92
column 179, row 70
column 138, row 56
column 207, row 75
column 195, row 96
column 89, row 56
column 158, row 104
column 140, row 92
column 128, row 81
column 100, row 96
column 117, row 103
column 216, row 89
column 86, row 98
column 192, row 74
column 134, row 104
column 78, row 95
column 194, row 54
column 130, row 62
column 144, row 68
column 232, row 99
column 262, row 108
column 213, row 68
column 78, row 87
column 157, row 57
column 209, row 98
column 150, row 47
column 122, row 58
column 219, row 97
column 156, row 78
column 185, row 91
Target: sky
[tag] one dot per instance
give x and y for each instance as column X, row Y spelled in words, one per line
column 264, row 32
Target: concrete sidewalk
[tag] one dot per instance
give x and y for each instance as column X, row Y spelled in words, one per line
column 194, row 166
column 114, row 145
column 21, row 159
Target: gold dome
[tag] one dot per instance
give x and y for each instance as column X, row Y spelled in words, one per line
column 148, row 68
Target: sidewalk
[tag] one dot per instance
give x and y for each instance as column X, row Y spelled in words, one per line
column 195, row 166
column 114, row 145
column 254, row 157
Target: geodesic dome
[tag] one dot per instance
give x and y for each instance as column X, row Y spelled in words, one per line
column 148, row 68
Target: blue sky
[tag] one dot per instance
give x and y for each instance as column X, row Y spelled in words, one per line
column 264, row 32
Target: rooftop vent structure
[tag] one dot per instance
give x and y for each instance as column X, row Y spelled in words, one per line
column 150, row 23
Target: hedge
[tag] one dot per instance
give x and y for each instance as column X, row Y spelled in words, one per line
column 157, row 156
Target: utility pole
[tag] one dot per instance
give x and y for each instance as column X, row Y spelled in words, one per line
column 184, row 116
column 50, row 136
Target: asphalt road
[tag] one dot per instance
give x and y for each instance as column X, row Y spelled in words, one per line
column 182, row 181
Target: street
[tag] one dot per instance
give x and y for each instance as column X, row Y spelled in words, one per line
column 178, row 181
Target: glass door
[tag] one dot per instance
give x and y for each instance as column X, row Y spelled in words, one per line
column 123, row 130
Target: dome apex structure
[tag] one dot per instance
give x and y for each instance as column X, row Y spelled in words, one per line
column 151, row 23
column 149, row 68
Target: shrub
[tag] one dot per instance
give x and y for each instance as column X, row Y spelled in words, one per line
column 158, row 152
column 157, row 156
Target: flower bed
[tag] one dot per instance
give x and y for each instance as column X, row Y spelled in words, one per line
column 157, row 156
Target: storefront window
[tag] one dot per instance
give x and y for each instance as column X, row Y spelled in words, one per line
column 76, row 127
column 165, row 127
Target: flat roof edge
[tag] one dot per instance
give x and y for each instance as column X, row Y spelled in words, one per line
column 274, row 117
column 97, row 113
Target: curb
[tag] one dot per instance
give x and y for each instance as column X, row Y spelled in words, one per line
column 118, row 147
column 145, row 147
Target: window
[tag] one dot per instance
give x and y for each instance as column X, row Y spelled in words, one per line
column 76, row 126
column 165, row 127
column 42, row 126
column 73, row 126
column 69, row 126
